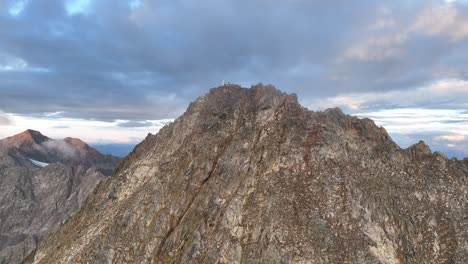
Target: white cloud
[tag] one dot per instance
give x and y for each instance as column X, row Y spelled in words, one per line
column 451, row 93
column 376, row 48
column 17, row 7
column 452, row 138
column 10, row 63
column 4, row 120
column 448, row 86
column 90, row 131
column 54, row 114
column 419, row 120
column 382, row 39
column 443, row 20
column 386, row 36
column 135, row 4
column 75, row 7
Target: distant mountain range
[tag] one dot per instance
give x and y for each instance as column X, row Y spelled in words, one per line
column 119, row 150
column 43, row 182
column 69, row 151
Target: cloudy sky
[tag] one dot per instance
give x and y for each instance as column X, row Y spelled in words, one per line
column 114, row 70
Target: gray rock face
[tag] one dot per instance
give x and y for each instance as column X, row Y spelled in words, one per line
column 34, row 201
column 250, row 176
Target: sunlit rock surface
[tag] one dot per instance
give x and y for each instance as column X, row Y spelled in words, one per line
column 250, row 176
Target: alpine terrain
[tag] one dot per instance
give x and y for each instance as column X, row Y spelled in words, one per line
column 251, row 176
column 42, row 183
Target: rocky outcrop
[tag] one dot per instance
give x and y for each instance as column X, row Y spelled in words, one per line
column 250, row 176
column 35, row 200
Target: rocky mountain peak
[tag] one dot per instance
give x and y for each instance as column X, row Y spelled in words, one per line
column 75, row 142
column 260, row 96
column 420, row 149
column 251, row 176
column 80, row 146
column 27, row 137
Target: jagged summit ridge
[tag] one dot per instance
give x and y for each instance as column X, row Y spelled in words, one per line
column 223, row 99
column 250, row 176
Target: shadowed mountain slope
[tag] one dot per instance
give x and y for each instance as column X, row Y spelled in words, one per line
column 42, row 183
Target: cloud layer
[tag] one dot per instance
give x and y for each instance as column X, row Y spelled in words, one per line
column 144, row 60
column 89, row 60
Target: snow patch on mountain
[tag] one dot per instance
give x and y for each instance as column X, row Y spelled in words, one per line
column 39, row 163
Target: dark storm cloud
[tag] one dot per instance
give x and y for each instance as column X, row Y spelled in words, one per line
column 116, row 62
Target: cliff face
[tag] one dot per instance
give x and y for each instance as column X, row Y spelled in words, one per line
column 250, row 176
column 42, row 183
column 34, row 202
